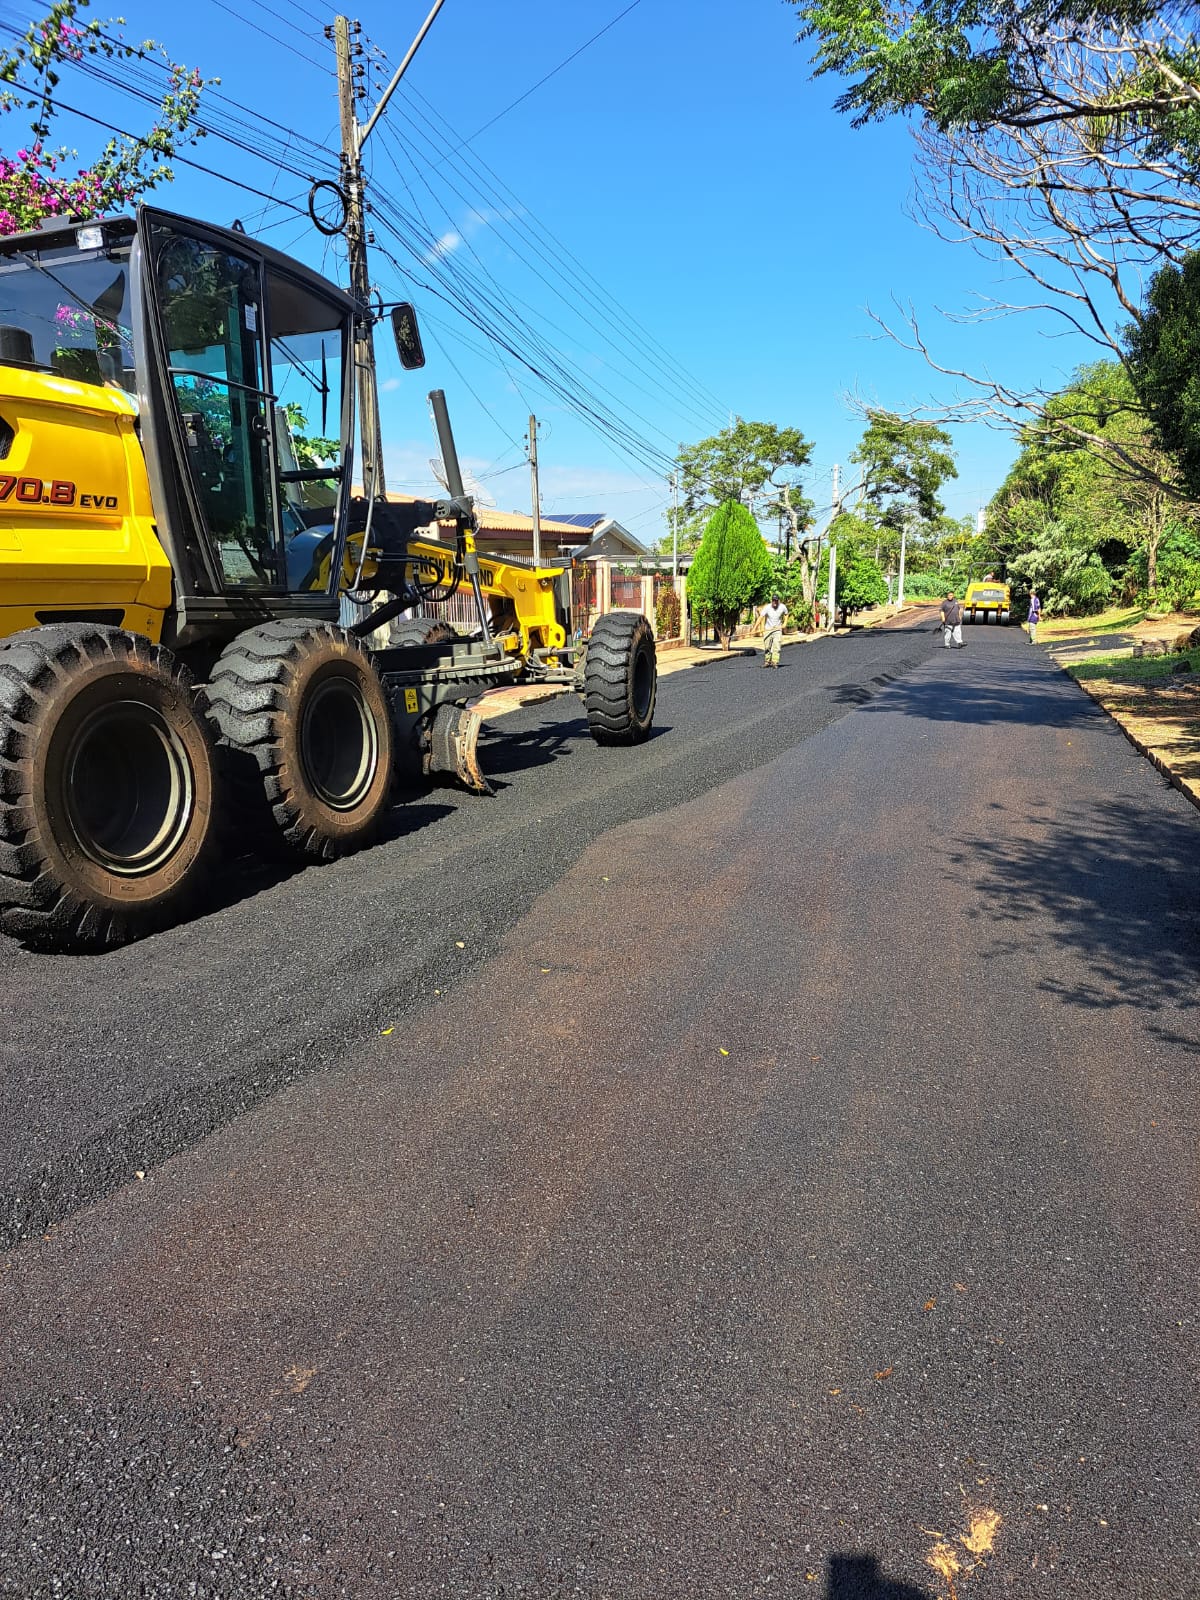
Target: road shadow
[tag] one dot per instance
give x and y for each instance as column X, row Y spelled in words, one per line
column 1107, row 644
column 1016, row 697
column 1117, row 886
column 242, row 877
column 504, row 754
column 859, row 1577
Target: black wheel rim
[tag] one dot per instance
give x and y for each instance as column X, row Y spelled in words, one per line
column 339, row 743
column 642, row 690
column 128, row 788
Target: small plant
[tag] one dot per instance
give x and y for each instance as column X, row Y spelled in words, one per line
column 668, row 615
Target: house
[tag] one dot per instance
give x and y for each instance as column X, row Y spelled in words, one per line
column 602, row 536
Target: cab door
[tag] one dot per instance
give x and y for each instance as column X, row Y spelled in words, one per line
column 210, row 304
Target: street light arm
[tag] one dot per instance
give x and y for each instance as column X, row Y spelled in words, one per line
column 399, row 73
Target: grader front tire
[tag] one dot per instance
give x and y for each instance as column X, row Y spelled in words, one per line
column 107, row 785
column 620, row 678
column 307, row 737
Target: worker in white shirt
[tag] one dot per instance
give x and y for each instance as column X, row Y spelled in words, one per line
column 773, row 616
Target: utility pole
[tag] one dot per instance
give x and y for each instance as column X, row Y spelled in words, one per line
column 537, row 498
column 354, row 136
column 831, row 621
column 837, row 502
column 346, row 47
column 900, row 580
column 675, row 526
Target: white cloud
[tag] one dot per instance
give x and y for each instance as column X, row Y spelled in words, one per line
column 446, row 245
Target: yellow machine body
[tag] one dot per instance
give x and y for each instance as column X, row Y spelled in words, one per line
column 987, row 598
column 521, row 599
column 77, row 533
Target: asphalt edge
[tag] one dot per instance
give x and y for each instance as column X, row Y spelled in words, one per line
column 1185, row 787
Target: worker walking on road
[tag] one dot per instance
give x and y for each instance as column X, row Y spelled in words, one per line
column 952, row 622
column 1034, row 617
column 773, row 617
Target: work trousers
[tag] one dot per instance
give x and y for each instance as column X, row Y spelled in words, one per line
column 772, row 641
column 951, row 634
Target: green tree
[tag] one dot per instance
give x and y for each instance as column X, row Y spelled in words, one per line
column 34, row 181
column 1060, row 137
column 787, row 581
column 1072, row 518
column 1163, row 349
column 689, row 528
column 904, row 463
column 951, row 554
column 731, row 569
column 760, row 465
column 757, row 463
column 1178, row 566
column 860, row 582
column 963, row 63
column 311, row 450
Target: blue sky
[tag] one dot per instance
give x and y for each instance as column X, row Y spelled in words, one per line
column 680, row 201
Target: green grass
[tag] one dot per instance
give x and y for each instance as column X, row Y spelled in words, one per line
column 1125, row 669
column 1114, row 621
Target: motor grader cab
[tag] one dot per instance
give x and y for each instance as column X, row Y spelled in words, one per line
column 191, row 593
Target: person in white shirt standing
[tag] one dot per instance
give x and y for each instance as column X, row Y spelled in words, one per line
column 773, row 616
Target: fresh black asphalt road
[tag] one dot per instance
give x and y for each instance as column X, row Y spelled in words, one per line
column 761, row 1163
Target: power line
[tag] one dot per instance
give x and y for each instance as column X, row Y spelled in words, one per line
column 516, row 318
column 296, row 6
column 111, row 127
column 305, row 33
column 499, row 190
column 249, row 132
column 552, row 375
column 552, row 73
column 625, row 327
column 617, row 340
column 274, row 37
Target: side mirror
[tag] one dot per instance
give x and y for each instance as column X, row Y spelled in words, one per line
column 408, row 337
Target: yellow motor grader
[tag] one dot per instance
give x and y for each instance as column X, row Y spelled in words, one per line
column 191, row 593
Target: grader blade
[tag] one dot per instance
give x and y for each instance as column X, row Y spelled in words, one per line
column 452, row 747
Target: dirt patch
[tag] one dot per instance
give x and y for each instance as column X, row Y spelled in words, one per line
column 1168, row 627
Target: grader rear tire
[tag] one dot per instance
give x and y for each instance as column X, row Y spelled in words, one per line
column 107, row 782
column 620, row 678
column 306, row 736
column 420, row 630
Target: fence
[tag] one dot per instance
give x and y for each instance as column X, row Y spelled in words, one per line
column 627, row 590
